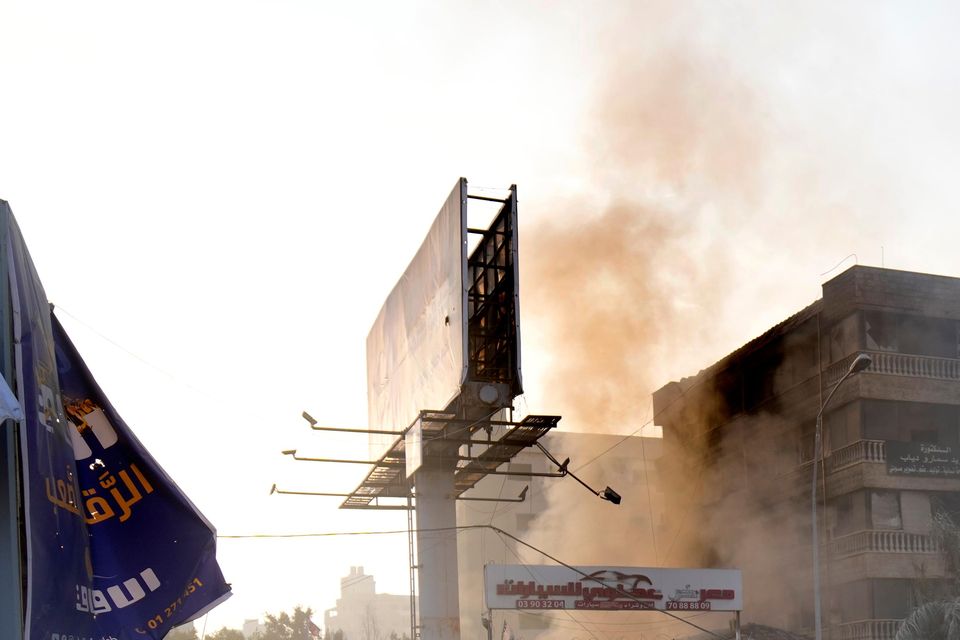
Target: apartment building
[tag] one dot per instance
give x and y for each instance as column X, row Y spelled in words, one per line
column 739, row 448
column 363, row 614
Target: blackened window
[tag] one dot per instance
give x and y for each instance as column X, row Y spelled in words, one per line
column 885, row 510
column 881, row 331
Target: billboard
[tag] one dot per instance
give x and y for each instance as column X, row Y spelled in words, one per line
column 417, row 347
column 539, row 587
column 153, row 553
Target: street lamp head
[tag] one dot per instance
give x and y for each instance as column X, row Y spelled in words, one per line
column 309, row 418
column 611, row 495
column 289, row 452
column 861, row 362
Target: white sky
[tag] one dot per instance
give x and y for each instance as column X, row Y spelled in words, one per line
column 229, row 190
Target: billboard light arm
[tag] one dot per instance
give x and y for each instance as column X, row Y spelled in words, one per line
column 293, row 452
column 281, row 492
column 347, row 430
column 313, row 425
column 521, row 498
column 526, row 474
column 607, row 494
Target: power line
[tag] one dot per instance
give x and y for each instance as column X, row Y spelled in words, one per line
column 569, row 615
column 500, row 532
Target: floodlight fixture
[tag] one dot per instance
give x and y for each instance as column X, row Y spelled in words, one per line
column 309, row 418
column 607, row 494
column 611, row 495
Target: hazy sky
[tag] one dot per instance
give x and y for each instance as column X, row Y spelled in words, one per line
column 219, row 196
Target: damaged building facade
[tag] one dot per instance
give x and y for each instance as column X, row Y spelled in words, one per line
column 739, row 449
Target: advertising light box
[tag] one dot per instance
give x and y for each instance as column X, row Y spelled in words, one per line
column 612, row 588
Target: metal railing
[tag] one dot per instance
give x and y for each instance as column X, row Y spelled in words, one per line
column 884, row 541
column 898, row 364
column 868, row 630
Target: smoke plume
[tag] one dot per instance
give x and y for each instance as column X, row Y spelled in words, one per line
column 676, row 257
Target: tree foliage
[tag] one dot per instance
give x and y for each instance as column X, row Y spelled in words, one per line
column 937, row 616
column 287, row 627
column 226, row 634
column 932, row 621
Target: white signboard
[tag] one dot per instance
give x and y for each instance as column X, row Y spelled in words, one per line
column 612, row 588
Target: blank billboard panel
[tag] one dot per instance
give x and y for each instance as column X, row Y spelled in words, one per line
column 416, row 349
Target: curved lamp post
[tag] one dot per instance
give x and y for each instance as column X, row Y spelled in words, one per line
column 861, row 362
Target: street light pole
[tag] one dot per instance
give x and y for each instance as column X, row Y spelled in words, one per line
column 861, row 362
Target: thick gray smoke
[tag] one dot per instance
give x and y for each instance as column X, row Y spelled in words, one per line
column 681, row 253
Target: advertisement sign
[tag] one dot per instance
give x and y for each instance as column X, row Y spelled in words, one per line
column 153, row 553
column 922, row 459
column 612, row 588
column 114, row 550
column 416, row 349
column 58, row 560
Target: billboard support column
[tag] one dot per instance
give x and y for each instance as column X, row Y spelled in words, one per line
column 437, row 553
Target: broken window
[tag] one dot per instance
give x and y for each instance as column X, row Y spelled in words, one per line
column 881, row 331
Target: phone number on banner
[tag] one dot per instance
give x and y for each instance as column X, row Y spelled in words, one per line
column 687, row 605
column 540, row 604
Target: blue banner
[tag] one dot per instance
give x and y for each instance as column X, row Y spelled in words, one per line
column 58, row 562
column 153, row 552
column 114, row 549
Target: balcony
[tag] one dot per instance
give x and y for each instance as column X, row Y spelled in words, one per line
column 886, row 541
column 859, row 451
column 867, row 630
column 897, row 364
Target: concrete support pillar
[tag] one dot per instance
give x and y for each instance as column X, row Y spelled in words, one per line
column 438, row 581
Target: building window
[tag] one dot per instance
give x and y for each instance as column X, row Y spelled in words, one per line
column 892, row 599
column 851, row 513
column 854, row 603
column 842, row 426
column 881, row 331
column 885, row 510
column 910, row 422
column 843, row 338
column 934, row 337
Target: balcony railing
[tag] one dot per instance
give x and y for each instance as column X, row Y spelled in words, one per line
column 897, row 364
column 884, row 542
column 868, row 630
column 860, row 451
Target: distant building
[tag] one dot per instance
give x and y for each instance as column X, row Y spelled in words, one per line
column 363, row 614
column 561, row 517
column 739, row 447
column 252, row 627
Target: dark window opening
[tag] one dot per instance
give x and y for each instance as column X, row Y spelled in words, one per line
column 885, row 510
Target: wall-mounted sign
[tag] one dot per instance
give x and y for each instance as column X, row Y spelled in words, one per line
column 612, row 588
column 922, row 459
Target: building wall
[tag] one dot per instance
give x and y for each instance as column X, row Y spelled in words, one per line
column 363, row 614
column 877, row 526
